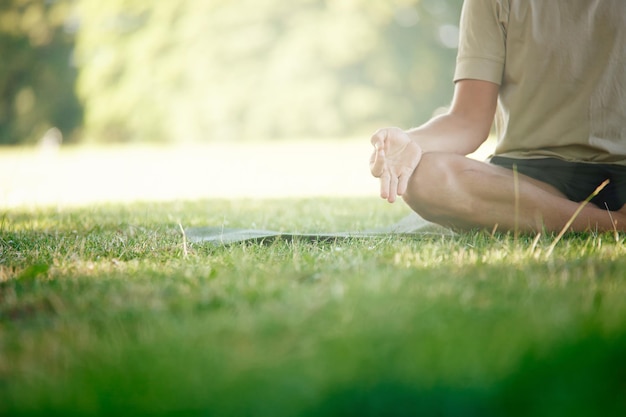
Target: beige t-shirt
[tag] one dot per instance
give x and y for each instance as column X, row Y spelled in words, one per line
column 561, row 67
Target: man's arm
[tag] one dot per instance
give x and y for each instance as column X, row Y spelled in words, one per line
column 466, row 125
column 462, row 130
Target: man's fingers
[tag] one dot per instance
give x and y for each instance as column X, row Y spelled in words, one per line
column 378, row 139
column 377, row 162
column 384, row 185
column 403, row 183
column 393, row 189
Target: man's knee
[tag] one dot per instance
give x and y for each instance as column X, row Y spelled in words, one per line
column 431, row 190
column 425, row 179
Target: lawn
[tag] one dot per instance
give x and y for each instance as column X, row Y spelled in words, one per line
column 105, row 311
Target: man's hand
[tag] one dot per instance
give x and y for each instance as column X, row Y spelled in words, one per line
column 394, row 159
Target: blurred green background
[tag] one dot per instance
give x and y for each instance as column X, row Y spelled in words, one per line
column 221, row 70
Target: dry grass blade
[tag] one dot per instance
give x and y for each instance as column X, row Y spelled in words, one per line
column 185, row 251
column 517, row 202
column 493, row 231
column 533, row 246
column 613, row 222
column 576, row 213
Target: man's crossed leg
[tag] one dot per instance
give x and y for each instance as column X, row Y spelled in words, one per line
column 462, row 193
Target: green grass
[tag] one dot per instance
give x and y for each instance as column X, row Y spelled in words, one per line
column 103, row 312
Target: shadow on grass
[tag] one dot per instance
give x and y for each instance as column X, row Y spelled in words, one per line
column 583, row 378
column 586, row 377
column 388, row 398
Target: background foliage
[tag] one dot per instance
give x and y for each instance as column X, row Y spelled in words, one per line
column 222, row 70
column 36, row 73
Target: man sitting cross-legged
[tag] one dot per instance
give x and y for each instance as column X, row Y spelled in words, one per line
column 555, row 74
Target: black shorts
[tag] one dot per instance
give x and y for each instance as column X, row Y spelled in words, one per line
column 577, row 180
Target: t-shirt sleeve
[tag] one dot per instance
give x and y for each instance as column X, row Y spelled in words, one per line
column 482, row 42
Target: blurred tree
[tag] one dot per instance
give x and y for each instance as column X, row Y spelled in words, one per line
column 222, row 69
column 36, row 76
column 240, row 69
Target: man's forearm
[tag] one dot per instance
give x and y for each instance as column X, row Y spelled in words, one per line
column 449, row 133
column 466, row 126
